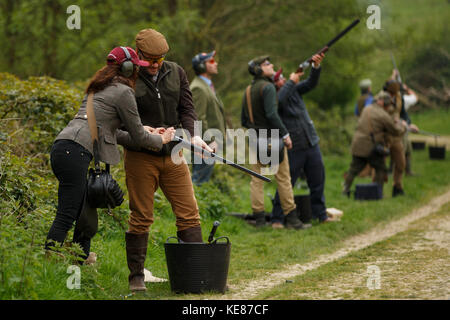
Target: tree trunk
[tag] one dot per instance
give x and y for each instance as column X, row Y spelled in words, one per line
column 172, row 4
column 10, row 35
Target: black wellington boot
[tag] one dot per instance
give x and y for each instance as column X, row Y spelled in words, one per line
column 292, row 220
column 260, row 218
column 397, row 192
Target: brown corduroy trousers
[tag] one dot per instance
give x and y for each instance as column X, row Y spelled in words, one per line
column 398, row 161
column 144, row 174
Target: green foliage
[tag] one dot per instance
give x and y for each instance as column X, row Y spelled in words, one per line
column 39, row 108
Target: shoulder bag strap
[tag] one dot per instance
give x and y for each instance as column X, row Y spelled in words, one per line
column 93, row 128
column 249, row 103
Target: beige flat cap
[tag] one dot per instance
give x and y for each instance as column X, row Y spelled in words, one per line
column 151, row 42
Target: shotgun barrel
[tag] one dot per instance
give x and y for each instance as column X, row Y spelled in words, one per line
column 189, row 145
column 305, row 64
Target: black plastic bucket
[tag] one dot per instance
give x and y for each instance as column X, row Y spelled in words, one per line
column 198, row 267
column 436, row 152
column 369, row 191
column 418, row 145
column 303, row 203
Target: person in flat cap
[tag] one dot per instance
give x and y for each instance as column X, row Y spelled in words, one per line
column 110, row 94
column 210, row 112
column 259, row 112
column 375, row 126
column 164, row 100
column 305, row 157
column 366, row 97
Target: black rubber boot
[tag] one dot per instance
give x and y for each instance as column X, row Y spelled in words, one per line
column 136, row 246
column 260, row 218
column 397, row 192
column 292, row 220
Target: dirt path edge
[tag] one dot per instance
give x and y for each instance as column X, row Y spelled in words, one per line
column 249, row 289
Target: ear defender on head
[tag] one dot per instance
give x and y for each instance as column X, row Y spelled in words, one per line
column 199, row 65
column 127, row 66
column 254, row 68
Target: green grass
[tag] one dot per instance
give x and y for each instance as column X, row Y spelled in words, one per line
column 254, row 251
column 431, row 121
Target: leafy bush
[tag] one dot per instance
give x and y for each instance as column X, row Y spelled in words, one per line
column 39, row 108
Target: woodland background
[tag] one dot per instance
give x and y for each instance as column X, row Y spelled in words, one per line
column 44, row 69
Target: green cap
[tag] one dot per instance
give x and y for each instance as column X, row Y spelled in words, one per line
column 260, row 59
column 385, row 96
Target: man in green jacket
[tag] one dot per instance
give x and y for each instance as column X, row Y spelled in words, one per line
column 209, row 109
column 259, row 112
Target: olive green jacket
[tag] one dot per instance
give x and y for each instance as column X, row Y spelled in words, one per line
column 374, row 119
column 208, row 106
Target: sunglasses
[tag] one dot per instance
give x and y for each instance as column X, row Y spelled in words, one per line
column 211, row 61
column 266, row 63
column 152, row 60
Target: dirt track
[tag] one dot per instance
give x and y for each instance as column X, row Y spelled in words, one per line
column 249, row 289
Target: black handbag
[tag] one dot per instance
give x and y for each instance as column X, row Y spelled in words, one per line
column 265, row 145
column 380, row 149
column 102, row 190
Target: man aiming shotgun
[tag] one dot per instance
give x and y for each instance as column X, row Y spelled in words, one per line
column 403, row 98
column 305, row 155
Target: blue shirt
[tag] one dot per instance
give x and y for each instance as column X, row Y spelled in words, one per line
column 368, row 101
column 208, row 81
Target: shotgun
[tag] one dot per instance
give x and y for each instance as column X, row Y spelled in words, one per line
column 189, row 145
column 305, row 64
column 399, row 78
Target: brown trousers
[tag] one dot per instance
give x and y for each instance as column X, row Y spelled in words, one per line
column 398, row 161
column 283, row 178
column 144, row 174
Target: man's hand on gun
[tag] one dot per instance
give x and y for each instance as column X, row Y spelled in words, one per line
column 395, row 74
column 213, row 145
column 317, row 59
column 413, row 128
column 295, row 76
column 166, row 134
column 197, row 141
